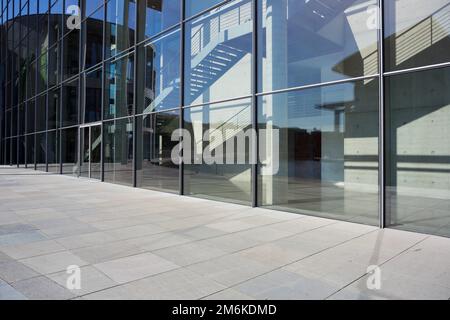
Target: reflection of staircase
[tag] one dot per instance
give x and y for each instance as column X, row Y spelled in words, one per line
column 210, row 65
column 214, row 50
column 215, row 45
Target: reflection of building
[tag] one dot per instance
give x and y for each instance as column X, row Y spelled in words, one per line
column 103, row 101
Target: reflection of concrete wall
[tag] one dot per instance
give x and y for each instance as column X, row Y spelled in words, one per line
column 420, row 132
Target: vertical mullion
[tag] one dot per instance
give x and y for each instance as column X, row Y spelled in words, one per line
column 254, row 145
column 135, row 93
column 381, row 151
column 103, row 92
column 182, row 71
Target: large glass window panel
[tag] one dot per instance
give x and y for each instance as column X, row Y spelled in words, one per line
column 120, row 26
column 21, row 151
column 53, row 151
column 30, row 151
column 218, row 130
column 31, row 81
column 53, row 109
column 195, row 6
column 118, row 151
column 90, row 6
column 158, row 15
column 41, row 147
column 54, row 64
column 43, row 6
column 7, row 151
column 319, row 151
column 93, row 27
column 71, row 55
column 21, row 120
column 306, row 42
column 13, row 151
column 31, row 107
column 8, row 124
column 93, row 96
column 14, row 123
column 43, row 41
column 155, row 168
column 416, row 32
column 41, row 113
column 69, row 151
column 56, row 22
column 161, row 73
column 119, row 95
column 418, row 151
column 42, row 76
column 218, row 52
column 69, row 105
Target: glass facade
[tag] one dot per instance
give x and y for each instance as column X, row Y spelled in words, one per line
column 338, row 109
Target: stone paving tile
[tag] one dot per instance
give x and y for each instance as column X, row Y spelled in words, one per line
column 86, row 240
column 7, row 292
column 230, row 270
column 21, row 238
column 107, row 252
column 15, row 228
column 229, row 294
column 135, row 267
column 32, row 249
column 13, row 271
column 394, row 286
column 284, row 285
column 92, row 280
column 53, row 262
column 178, row 284
column 42, row 288
column 189, row 253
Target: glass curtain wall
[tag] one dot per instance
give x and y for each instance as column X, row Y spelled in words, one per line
column 306, row 75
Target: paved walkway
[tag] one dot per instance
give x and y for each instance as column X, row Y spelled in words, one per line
column 139, row 244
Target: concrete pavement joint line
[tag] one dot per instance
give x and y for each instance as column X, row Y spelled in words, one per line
column 395, row 256
column 281, row 267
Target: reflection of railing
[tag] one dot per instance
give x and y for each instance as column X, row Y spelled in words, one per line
column 217, row 22
column 423, row 35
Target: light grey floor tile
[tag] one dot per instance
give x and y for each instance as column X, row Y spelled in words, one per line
column 42, row 288
column 32, row 249
column 7, row 292
column 107, row 252
column 177, row 285
column 284, row 285
column 189, row 253
column 53, row 262
column 13, row 271
column 135, row 267
column 91, row 280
